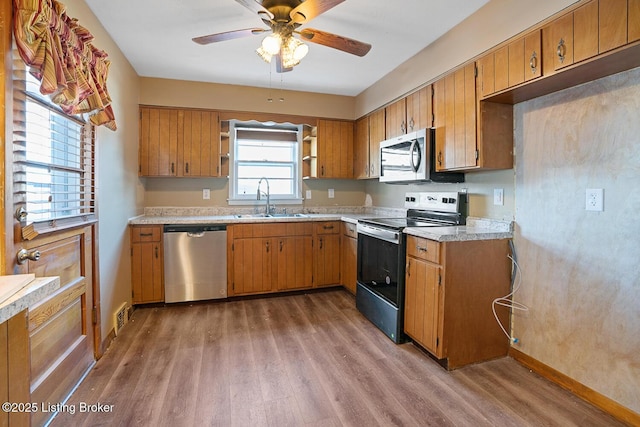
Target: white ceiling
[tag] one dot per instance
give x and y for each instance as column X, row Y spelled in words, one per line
column 155, row 36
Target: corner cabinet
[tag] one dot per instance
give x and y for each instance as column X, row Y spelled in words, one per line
column 181, row 142
column 470, row 134
column 449, row 292
column 147, row 264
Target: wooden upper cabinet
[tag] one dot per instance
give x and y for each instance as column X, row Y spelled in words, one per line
column 633, row 26
column 419, row 111
column 158, row 149
column 573, row 37
column 377, row 132
column 612, row 24
column 361, row 149
column 335, row 149
column 200, row 143
column 562, row 41
column 396, row 119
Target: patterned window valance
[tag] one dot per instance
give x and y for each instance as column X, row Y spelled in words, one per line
column 59, row 53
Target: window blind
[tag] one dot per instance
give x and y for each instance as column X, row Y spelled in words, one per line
column 53, row 159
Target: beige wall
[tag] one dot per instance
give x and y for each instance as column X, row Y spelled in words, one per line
column 179, row 93
column 120, row 196
column 581, row 278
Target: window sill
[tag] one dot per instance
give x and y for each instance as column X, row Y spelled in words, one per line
column 254, row 202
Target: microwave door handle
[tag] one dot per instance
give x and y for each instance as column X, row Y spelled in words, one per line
column 415, row 147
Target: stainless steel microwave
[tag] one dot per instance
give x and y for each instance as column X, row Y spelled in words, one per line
column 411, row 158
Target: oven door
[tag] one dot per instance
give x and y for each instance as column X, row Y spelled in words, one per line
column 381, row 256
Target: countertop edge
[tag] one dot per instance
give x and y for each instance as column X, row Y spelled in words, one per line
column 457, row 234
column 33, row 292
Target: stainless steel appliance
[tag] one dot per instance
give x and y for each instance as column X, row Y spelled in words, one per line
column 410, row 158
column 382, row 250
column 195, row 262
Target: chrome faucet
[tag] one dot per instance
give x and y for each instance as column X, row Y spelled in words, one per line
column 267, row 209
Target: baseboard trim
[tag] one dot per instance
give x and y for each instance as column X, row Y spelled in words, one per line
column 611, row 407
column 107, row 341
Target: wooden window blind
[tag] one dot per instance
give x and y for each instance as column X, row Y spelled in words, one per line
column 53, row 160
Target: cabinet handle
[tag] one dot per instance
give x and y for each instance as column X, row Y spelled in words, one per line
column 411, row 123
column 403, row 127
column 267, row 245
column 421, row 248
column 409, row 268
column 186, row 167
column 173, row 167
column 321, row 243
column 561, row 51
column 440, row 158
column 24, row 255
column 366, row 169
column 327, row 227
column 372, row 169
column 533, row 62
column 156, row 252
column 321, row 170
column 280, row 245
column 146, row 234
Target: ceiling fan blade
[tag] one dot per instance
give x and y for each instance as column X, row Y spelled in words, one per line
column 256, row 6
column 279, row 67
column 309, row 9
column 229, row 35
column 344, row 44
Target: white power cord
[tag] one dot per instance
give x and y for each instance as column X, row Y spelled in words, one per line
column 507, row 300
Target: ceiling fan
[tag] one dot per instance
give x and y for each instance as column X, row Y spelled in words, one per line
column 284, row 17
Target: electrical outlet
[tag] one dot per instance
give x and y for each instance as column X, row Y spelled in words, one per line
column 331, row 193
column 498, row 196
column 595, row 199
column 308, row 195
column 206, row 194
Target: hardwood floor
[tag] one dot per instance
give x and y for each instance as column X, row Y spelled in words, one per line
column 306, row 359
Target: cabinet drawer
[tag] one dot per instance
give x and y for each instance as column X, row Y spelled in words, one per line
column 350, row 230
column 151, row 233
column 327, row 227
column 428, row 250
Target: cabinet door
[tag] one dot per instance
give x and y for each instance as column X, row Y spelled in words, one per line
column 200, row 143
column 328, row 259
column 455, row 106
column 422, row 304
column 562, row 41
column 419, row 114
column 487, row 74
column 361, row 149
column 532, row 55
column 348, row 271
column 633, row 25
column 612, row 24
column 146, row 272
column 158, row 149
column 253, row 260
column 396, row 119
column 335, row 149
column 585, row 23
column 376, row 136
column 295, row 262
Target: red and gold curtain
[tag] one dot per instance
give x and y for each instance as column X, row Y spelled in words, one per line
column 59, row 53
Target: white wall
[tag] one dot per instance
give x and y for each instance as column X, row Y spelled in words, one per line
column 120, row 195
column 581, row 273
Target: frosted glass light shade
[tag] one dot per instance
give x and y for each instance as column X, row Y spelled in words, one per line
column 272, row 43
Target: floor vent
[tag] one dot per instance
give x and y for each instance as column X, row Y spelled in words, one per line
column 121, row 317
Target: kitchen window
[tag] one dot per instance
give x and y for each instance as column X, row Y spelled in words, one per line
column 53, row 166
column 262, row 150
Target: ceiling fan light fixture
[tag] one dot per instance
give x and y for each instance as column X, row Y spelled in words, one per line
column 272, row 44
column 262, row 53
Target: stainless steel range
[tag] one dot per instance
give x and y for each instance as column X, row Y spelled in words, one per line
column 382, row 250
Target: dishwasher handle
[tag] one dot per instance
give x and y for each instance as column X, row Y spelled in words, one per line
column 195, row 234
column 194, row 229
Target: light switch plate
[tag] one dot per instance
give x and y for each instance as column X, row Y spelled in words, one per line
column 308, row 195
column 595, row 199
column 331, row 193
column 498, row 196
column 206, row 194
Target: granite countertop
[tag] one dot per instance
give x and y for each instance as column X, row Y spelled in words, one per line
column 476, row 229
column 23, row 291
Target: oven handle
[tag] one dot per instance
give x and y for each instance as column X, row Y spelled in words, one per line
column 379, row 233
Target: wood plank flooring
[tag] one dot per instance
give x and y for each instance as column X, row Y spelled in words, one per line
column 302, row 360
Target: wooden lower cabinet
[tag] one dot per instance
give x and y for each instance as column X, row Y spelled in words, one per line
column 348, row 258
column 14, row 368
column 327, row 253
column 449, row 292
column 147, row 264
column 269, row 257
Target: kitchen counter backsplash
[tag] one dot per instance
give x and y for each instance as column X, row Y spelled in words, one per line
column 227, row 211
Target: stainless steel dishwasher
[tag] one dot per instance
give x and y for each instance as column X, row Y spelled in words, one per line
column 195, row 262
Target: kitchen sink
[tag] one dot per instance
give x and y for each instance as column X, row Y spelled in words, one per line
column 280, row 215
